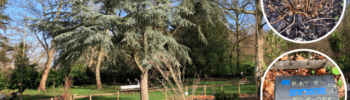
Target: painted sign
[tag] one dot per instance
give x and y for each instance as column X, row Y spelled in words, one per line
column 314, row 87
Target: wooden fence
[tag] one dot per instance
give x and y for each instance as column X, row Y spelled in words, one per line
column 73, row 97
column 204, row 92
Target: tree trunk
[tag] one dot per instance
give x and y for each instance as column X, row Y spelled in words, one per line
column 183, row 74
column 91, row 57
column 144, row 86
column 231, row 55
column 49, row 58
column 238, row 38
column 259, row 43
column 337, row 57
column 47, row 68
column 97, row 71
column 238, row 51
column 53, row 83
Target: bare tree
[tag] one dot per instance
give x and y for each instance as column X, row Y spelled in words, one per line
column 169, row 68
column 241, row 23
column 257, row 12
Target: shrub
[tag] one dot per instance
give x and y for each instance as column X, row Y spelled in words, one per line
column 29, row 74
column 344, row 63
column 4, row 80
column 226, row 96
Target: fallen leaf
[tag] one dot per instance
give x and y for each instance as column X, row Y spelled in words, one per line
column 321, row 71
column 270, row 87
column 289, row 70
column 284, row 58
column 264, row 84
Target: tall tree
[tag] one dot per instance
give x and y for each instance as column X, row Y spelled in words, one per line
column 78, row 30
column 50, row 51
column 4, row 23
column 43, row 10
column 149, row 37
column 259, row 41
column 212, row 59
column 239, row 27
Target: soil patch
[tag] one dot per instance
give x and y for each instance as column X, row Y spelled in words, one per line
column 303, row 20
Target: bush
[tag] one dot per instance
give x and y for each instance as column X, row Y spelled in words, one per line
column 29, row 74
column 248, row 68
column 250, row 78
column 81, row 75
column 4, row 80
column 226, row 96
column 344, row 63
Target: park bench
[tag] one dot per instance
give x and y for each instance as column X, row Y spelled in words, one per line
column 127, row 88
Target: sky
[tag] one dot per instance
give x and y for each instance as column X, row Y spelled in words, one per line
column 14, row 12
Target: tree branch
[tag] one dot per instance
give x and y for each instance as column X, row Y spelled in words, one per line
column 138, row 63
column 46, row 48
column 263, row 24
column 172, row 34
column 238, row 9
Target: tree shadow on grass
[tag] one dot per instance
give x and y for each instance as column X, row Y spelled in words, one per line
column 110, row 89
column 35, row 97
column 107, row 98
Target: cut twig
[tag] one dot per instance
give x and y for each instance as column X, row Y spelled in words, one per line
column 319, row 19
column 289, row 25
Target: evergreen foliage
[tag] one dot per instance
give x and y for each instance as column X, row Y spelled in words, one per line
column 5, row 48
column 29, row 72
column 141, row 30
column 337, row 43
column 211, row 58
column 4, row 83
column 4, row 19
column 275, row 45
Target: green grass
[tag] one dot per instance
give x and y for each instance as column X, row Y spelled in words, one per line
column 248, row 88
column 215, row 82
column 153, row 95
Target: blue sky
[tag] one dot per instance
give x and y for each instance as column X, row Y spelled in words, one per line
column 14, row 13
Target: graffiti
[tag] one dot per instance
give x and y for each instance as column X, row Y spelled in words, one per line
column 310, row 91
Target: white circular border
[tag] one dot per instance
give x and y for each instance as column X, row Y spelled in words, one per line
column 285, row 38
column 298, row 50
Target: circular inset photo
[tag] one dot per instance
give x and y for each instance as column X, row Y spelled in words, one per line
column 303, row 21
column 303, row 74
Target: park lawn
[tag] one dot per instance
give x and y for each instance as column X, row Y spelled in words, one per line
column 247, row 88
column 214, row 82
column 201, row 83
column 154, row 95
column 90, row 89
column 205, row 83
